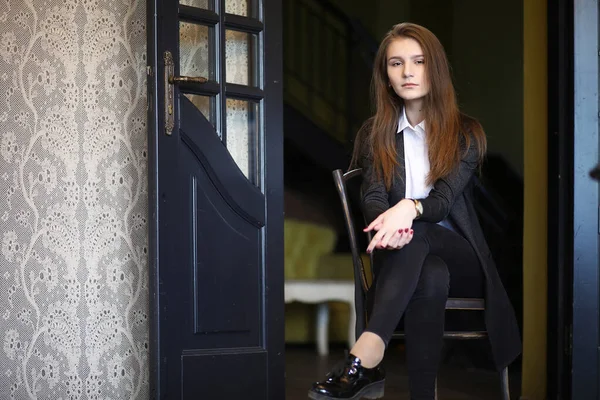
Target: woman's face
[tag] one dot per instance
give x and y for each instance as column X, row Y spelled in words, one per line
column 406, row 69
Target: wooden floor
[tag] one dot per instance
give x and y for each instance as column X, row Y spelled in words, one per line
column 304, row 366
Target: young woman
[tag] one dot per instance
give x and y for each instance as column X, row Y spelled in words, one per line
column 418, row 155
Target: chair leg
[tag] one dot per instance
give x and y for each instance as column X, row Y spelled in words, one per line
column 322, row 327
column 504, row 384
column 352, row 327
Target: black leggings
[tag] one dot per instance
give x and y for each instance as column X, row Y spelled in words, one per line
column 416, row 281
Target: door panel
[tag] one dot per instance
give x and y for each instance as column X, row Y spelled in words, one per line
column 199, row 137
column 222, row 368
column 222, row 300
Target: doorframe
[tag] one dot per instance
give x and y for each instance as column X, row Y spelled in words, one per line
column 152, row 12
column 560, row 198
column 273, row 153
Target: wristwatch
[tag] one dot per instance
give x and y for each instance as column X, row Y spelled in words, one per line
column 418, row 207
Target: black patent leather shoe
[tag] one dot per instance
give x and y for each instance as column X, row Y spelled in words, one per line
column 350, row 380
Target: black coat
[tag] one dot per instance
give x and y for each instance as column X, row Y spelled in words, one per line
column 451, row 197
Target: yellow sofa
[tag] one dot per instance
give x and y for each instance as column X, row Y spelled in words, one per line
column 308, row 249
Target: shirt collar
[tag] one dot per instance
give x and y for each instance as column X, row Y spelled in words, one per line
column 403, row 124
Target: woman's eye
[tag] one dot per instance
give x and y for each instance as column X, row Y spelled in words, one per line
column 420, row 62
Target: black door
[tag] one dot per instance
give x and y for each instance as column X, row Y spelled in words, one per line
column 216, row 199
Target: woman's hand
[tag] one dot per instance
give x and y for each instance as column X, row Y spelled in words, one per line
column 393, row 227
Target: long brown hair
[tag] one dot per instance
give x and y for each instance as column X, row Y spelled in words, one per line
column 448, row 131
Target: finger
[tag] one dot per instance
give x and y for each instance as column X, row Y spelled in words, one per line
column 387, row 236
column 401, row 234
column 380, row 235
column 401, row 239
column 380, row 245
column 373, row 243
column 395, row 239
column 406, row 238
column 376, row 221
column 393, row 244
column 411, row 234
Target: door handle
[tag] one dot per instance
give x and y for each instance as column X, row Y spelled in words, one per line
column 170, row 80
column 175, row 80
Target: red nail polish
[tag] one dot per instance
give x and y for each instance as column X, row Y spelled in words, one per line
column 411, row 231
column 406, row 230
column 399, row 230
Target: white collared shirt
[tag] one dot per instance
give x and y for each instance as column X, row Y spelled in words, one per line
column 416, row 162
column 416, row 158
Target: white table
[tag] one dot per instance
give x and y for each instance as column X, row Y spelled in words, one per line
column 320, row 292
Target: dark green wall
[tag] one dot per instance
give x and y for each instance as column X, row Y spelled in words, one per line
column 488, row 69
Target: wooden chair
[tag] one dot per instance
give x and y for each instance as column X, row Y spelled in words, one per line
column 361, row 285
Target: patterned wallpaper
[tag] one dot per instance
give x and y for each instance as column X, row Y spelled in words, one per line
column 73, row 200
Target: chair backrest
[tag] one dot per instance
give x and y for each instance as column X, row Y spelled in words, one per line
column 361, row 285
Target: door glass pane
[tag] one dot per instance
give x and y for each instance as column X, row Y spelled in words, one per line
column 242, row 130
column 196, row 50
column 206, row 105
column 240, row 7
column 241, row 58
column 205, row 4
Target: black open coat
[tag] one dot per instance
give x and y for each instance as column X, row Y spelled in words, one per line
column 451, row 197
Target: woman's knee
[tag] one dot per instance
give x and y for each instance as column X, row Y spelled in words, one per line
column 434, row 280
